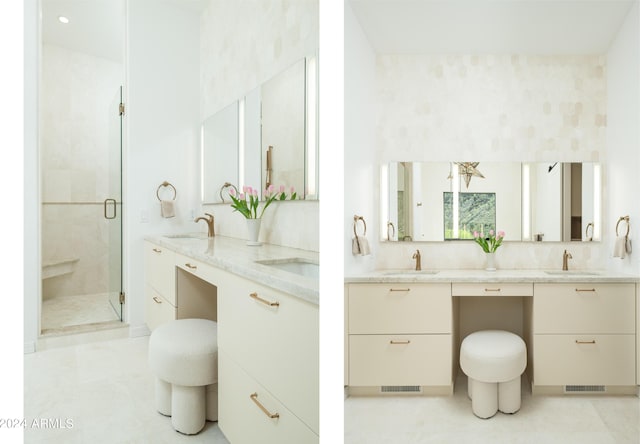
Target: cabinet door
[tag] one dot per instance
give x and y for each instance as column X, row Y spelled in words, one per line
column 276, row 344
column 376, row 360
column 160, row 270
column 584, row 360
column 584, row 308
column 399, row 308
column 242, row 420
column 157, row 309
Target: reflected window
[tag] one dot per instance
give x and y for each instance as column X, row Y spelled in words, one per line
column 474, row 212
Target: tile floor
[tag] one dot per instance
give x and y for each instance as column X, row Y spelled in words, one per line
column 105, row 389
column 62, row 312
column 541, row 420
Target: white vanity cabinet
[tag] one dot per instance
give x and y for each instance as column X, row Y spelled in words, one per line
column 400, row 336
column 584, row 335
column 271, row 340
column 160, row 285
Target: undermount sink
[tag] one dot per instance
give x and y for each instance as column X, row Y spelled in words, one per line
column 295, row 265
column 403, row 272
column 571, row 273
column 186, row 236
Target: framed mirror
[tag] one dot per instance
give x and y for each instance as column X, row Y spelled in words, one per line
column 443, row 201
column 219, row 153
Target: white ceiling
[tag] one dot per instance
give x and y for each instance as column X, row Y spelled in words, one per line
column 491, row 26
column 96, row 27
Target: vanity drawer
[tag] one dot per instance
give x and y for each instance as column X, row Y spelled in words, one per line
column 584, row 360
column 157, row 309
column 198, row 268
column 159, row 270
column 241, row 419
column 492, row 289
column 584, row 308
column 277, row 345
column 399, row 308
column 376, row 360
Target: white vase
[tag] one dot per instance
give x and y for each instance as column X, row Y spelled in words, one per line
column 490, row 262
column 253, row 229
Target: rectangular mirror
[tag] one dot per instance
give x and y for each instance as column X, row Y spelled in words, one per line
column 564, row 201
column 281, row 113
column 283, row 129
column 219, row 152
column 438, row 201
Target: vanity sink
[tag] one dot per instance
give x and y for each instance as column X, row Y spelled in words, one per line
column 408, row 272
column 571, row 273
column 295, row 265
column 186, row 236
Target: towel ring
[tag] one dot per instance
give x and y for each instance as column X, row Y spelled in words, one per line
column 224, row 186
column 626, row 219
column 166, row 184
column 356, row 218
column 390, row 225
column 586, row 232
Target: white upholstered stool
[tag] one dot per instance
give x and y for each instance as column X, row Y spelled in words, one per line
column 183, row 355
column 493, row 360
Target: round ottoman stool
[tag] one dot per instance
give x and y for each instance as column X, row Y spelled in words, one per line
column 493, row 361
column 183, row 355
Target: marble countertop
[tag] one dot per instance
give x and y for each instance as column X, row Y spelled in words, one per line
column 235, row 256
column 554, row 276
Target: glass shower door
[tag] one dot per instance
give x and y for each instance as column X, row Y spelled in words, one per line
column 112, row 205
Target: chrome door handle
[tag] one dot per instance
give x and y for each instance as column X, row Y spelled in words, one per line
column 106, row 202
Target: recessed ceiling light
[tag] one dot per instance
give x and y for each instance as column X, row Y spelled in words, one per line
column 63, row 19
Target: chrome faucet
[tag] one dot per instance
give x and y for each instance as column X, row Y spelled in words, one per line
column 416, row 256
column 565, row 260
column 209, row 220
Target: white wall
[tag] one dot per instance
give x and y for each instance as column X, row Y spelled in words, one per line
column 163, row 131
column 623, row 140
column 32, row 282
column 241, row 47
column 361, row 178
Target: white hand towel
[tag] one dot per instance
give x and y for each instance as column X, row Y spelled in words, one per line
column 360, row 246
column 627, row 245
column 167, row 208
column 619, row 247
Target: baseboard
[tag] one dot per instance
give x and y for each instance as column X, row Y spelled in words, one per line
column 139, row 330
column 29, row 347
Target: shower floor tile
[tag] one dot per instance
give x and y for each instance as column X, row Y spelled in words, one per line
column 61, row 312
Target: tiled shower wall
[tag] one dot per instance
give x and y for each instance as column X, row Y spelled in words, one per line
column 77, row 130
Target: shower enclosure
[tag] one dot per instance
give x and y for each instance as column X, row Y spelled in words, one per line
column 80, row 104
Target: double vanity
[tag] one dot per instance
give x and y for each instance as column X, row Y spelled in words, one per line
column 403, row 328
column 265, row 300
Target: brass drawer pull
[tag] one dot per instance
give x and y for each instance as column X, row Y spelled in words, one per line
column 193, row 267
column 586, row 342
column 264, row 301
column 591, row 290
column 492, row 289
column 158, row 301
column 399, row 289
column 254, row 398
column 392, row 342
column 157, row 250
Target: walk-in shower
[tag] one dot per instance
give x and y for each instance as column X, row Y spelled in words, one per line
column 80, row 123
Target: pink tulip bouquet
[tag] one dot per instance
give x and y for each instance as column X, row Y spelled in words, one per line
column 248, row 201
column 491, row 243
